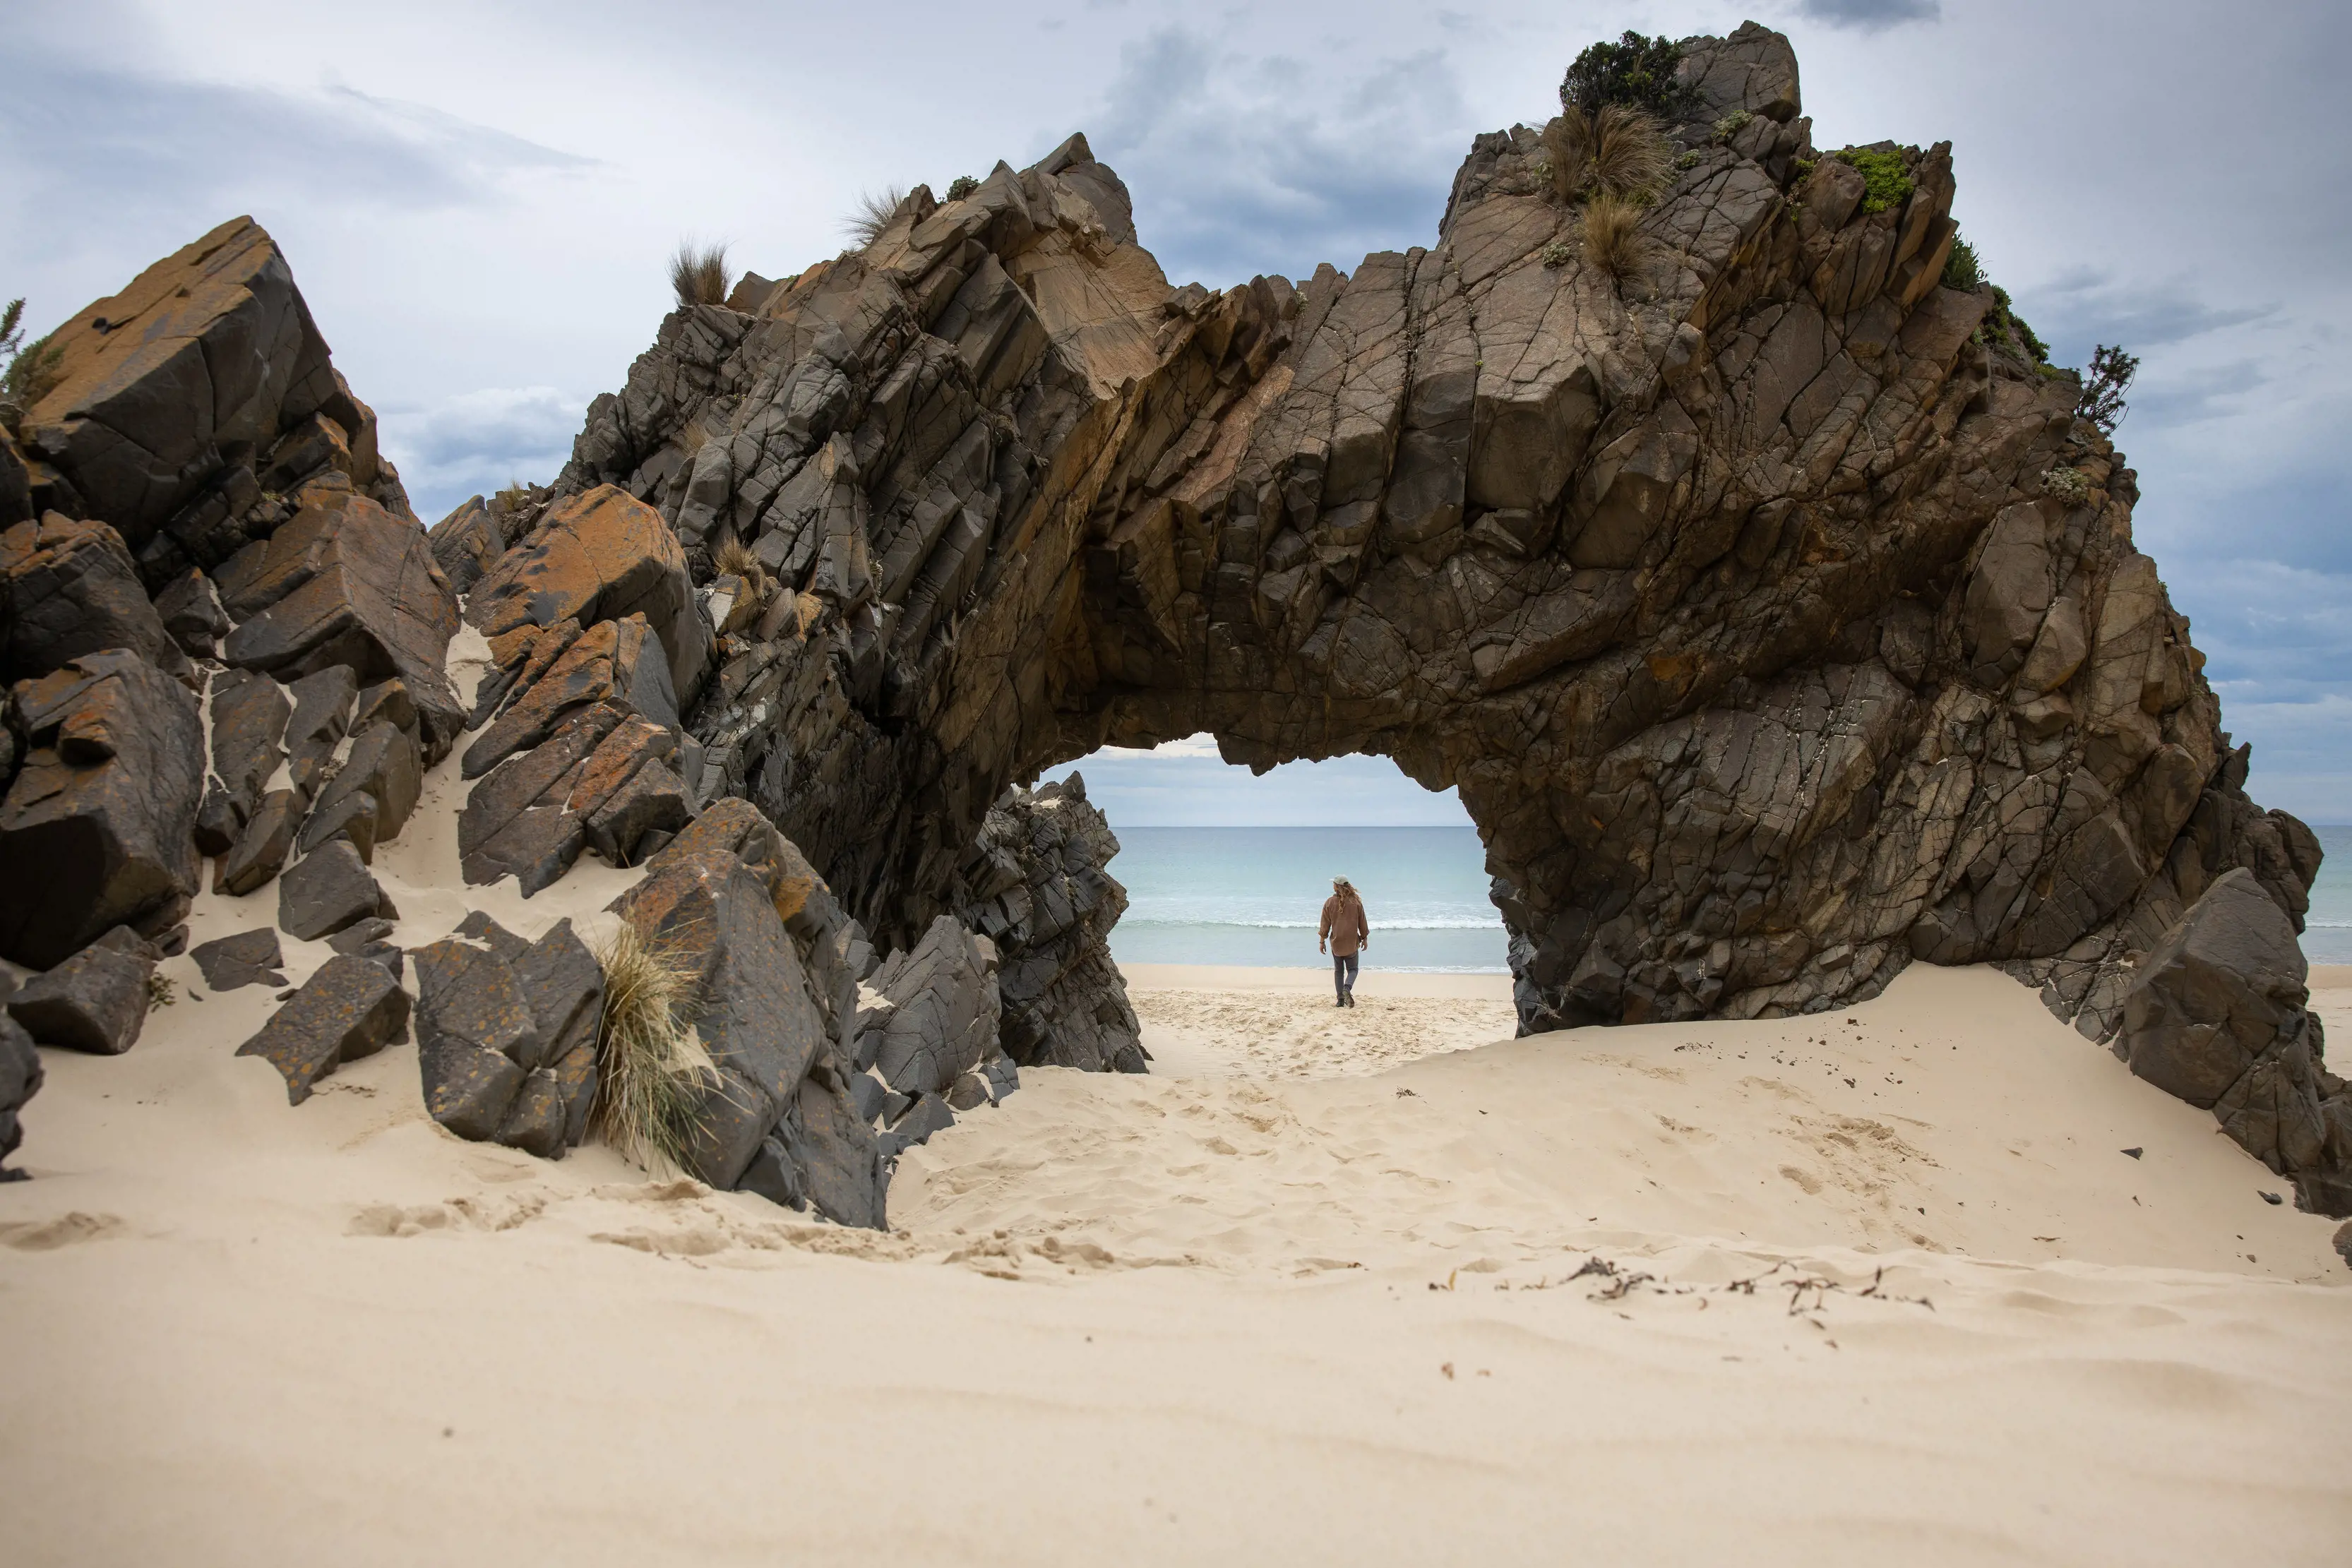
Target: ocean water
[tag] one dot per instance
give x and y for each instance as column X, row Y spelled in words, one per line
column 1253, row 895
column 2328, row 929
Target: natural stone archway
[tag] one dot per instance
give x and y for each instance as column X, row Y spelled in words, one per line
column 1775, row 617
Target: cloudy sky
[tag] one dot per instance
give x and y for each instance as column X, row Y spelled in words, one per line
column 478, row 198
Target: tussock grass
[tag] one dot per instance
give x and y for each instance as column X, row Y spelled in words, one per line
column 1613, row 242
column 1617, row 152
column 699, row 273
column 735, row 559
column 872, row 214
column 652, row 1068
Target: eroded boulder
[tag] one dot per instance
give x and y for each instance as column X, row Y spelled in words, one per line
column 210, row 349
column 69, row 588
column 348, row 584
column 2218, row 1016
column 247, row 958
column 327, row 889
column 95, row 1001
column 775, row 964
column 505, row 1036
column 600, row 556
column 20, row 1080
column 98, row 830
column 603, row 782
column 1037, row 884
column 348, row 1009
column 936, row 1017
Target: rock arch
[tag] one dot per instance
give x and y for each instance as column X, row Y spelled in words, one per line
column 1777, row 620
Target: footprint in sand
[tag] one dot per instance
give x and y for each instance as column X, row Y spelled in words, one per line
column 48, row 1235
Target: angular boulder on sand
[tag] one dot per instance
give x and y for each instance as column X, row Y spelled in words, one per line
column 95, row 1001
column 327, row 889
column 2218, row 1015
column 506, row 1035
column 20, row 1079
column 350, row 1008
column 98, row 829
column 937, row 1020
column 771, row 965
column 714, row 915
column 246, row 958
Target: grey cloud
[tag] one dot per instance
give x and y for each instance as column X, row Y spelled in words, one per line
column 201, row 149
column 2084, row 307
column 2215, row 393
column 1245, row 165
column 1870, row 16
column 477, row 442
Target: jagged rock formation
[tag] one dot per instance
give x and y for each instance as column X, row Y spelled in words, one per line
column 1035, row 884
column 97, row 829
column 1777, row 620
column 186, row 404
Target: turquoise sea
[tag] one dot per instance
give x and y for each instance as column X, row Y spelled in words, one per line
column 1252, row 895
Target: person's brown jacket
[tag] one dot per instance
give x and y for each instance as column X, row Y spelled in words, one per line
column 1344, row 925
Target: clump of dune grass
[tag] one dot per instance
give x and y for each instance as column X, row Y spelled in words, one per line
column 652, row 1072
column 735, row 559
column 699, row 273
column 1613, row 242
column 872, row 214
column 1615, row 151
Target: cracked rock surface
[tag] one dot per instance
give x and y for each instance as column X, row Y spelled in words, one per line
column 1775, row 618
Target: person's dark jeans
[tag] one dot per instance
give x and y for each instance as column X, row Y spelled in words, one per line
column 1343, row 973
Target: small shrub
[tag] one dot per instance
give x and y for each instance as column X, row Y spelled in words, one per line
column 1886, row 179
column 1804, row 168
column 33, row 368
column 161, row 992
column 1687, row 161
column 2035, row 346
column 1635, row 71
column 699, row 273
column 1558, row 254
column 2005, row 327
column 1732, row 124
column 959, row 187
column 1613, row 242
column 1961, row 268
column 514, row 497
column 652, row 1068
column 2071, row 485
column 2102, row 403
column 872, row 214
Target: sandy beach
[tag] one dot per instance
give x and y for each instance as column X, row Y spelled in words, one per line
column 1379, row 1286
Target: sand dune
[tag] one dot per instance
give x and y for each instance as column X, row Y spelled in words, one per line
column 1655, row 1294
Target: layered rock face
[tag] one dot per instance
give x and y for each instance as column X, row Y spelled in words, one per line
column 1777, row 620
column 1035, row 884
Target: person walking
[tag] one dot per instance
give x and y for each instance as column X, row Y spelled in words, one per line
column 1345, row 931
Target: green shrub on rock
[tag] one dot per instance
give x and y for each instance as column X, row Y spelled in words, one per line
column 959, row 187
column 1961, row 268
column 1886, row 178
